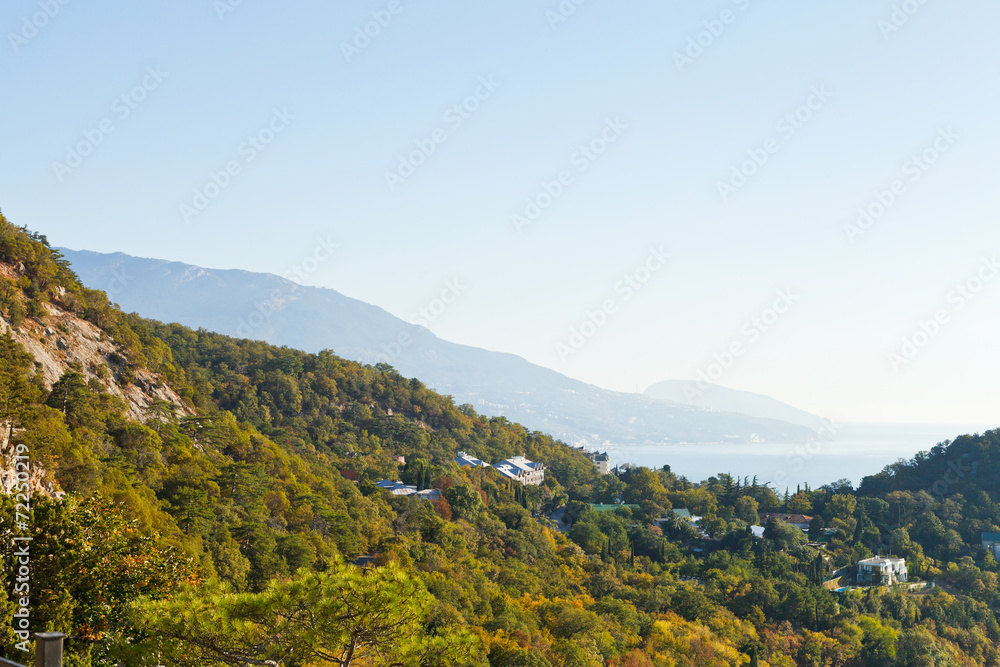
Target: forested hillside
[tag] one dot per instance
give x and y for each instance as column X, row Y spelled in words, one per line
column 220, row 529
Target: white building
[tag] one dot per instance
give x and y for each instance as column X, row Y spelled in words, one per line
column 400, row 489
column 991, row 542
column 882, row 570
column 468, row 461
column 396, row 488
column 603, row 463
column 522, row 470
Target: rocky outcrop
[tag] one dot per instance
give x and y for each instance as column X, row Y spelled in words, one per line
column 62, row 341
column 12, row 475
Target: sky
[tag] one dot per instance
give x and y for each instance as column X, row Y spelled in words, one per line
column 795, row 199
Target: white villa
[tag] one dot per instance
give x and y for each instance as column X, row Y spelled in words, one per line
column 882, row 570
column 400, row 489
column 603, row 463
column 517, row 468
column 522, row 470
column 469, row 461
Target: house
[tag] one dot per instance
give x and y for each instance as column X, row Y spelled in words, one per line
column 400, row 489
column 800, row 521
column 882, row 570
column 396, row 488
column 681, row 514
column 991, row 542
column 401, row 460
column 469, row 461
column 517, row 468
column 520, row 469
column 603, row 463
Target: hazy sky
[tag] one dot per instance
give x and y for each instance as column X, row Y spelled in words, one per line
column 740, row 138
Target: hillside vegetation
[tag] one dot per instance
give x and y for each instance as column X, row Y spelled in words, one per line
column 199, row 500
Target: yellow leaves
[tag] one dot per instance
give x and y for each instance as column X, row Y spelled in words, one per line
column 640, row 580
column 674, row 639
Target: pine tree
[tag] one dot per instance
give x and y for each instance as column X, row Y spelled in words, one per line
column 859, row 526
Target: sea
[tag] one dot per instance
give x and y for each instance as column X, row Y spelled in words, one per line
column 839, row 451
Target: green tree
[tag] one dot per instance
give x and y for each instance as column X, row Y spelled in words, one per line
column 465, row 501
column 746, row 510
column 17, row 392
column 88, row 564
column 343, row 617
column 878, row 641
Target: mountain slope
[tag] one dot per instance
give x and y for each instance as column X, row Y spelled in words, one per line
column 251, row 490
column 716, row 397
column 270, row 308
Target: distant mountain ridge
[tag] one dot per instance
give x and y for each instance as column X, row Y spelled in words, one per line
column 270, row 308
column 717, row 397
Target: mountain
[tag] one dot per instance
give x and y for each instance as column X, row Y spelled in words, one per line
column 270, row 308
column 717, row 397
column 199, row 500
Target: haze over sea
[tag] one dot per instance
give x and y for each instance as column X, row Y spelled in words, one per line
column 854, row 451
